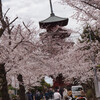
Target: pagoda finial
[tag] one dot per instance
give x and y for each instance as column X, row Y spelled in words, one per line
column 52, row 14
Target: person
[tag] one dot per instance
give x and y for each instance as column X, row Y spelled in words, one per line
column 29, row 95
column 47, row 95
column 41, row 95
column 83, row 93
column 65, row 95
column 57, row 95
column 61, row 92
column 51, row 93
column 37, row 95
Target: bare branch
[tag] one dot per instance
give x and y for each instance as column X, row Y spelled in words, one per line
column 6, row 12
column 13, row 20
column 27, row 28
column 20, row 32
column 8, row 70
column 17, row 44
column 12, row 27
column 3, row 22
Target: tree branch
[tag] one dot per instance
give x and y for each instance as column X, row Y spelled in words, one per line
column 6, row 12
column 87, row 13
column 92, row 5
column 17, row 44
column 13, row 21
column 27, row 28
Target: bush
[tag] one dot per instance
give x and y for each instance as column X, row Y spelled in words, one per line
column 89, row 93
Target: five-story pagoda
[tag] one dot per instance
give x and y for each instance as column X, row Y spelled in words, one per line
column 54, row 38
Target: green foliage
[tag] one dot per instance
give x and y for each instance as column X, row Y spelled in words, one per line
column 10, row 87
column 13, row 96
column 89, row 33
column 89, row 88
column 39, row 88
column 98, row 66
column 89, row 93
column 44, row 84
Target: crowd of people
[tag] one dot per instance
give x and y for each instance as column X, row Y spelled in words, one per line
column 55, row 94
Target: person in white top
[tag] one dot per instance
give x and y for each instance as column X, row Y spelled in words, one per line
column 57, row 95
column 65, row 95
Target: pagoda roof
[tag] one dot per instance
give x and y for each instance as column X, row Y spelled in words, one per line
column 52, row 21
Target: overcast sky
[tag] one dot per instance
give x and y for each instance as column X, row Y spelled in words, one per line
column 37, row 10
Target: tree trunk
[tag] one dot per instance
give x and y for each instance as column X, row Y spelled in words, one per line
column 21, row 87
column 3, row 81
column 4, row 25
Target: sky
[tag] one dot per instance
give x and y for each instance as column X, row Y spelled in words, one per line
column 48, row 80
column 37, row 10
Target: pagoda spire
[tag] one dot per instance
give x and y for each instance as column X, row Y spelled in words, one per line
column 52, row 14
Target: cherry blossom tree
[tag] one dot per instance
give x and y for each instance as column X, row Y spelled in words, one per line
column 23, row 54
column 4, row 25
column 86, row 10
column 76, row 60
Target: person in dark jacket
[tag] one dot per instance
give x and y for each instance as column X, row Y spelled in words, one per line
column 47, row 95
column 37, row 95
column 29, row 95
column 51, row 93
column 61, row 92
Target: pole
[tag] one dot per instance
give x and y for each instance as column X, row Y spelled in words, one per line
column 52, row 14
column 95, row 74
